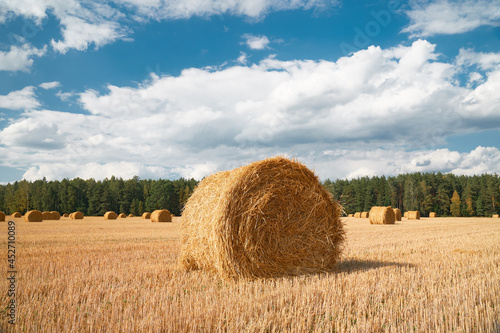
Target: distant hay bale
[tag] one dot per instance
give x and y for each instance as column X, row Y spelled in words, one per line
column 65, row 215
column 16, row 215
column 2, row 216
column 365, row 215
column 350, row 215
column 122, row 216
column 33, row 216
column 161, row 215
column 414, row 215
column 495, row 216
column 432, row 214
column 130, row 215
column 266, row 219
column 47, row 216
column 357, row 215
column 146, row 215
column 406, row 214
column 110, row 215
column 76, row 216
column 397, row 214
column 382, row 215
column 55, row 215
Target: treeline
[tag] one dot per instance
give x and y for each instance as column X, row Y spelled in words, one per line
column 445, row 194
column 91, row 197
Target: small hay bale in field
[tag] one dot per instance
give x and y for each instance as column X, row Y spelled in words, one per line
column 357, row 215
column 495, row 216
column 33, row 216
column 397, row 214
column 55, row 215
column 161, row 215
column 414, row 215
column 47, row 216
column 350, row 215
column 266, row 219
column 2, row 216
column 146, row 215
column 65, row 215
column 110, row 215
column 131, row 215
column 16, row 215
column 122, row 216
column 406, row 214
column 76, row 216
column 432, row 214
column 365, row 215
column 382, row 215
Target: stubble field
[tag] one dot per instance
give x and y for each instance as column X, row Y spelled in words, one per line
column 92, row 275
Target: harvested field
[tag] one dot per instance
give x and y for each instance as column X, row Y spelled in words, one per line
column 94, row 275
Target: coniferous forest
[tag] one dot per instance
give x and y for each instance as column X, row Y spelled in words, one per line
column 445, row 194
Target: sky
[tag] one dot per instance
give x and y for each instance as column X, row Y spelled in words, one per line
column 186, row 88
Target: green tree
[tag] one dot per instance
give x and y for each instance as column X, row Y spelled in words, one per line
column 455, row 204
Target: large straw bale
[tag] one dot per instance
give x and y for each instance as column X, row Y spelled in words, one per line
column 382, row 215
column 33, row 216
column 161, row 215
column 365, row 215
column 146, row 215
column 357, row 215
column 110, row 215
column 16, row 215
column 47, row 216
column 397, row 214
column 55, row 215
column 76, row 216
column 414, row 215
column 266, row 219
column 406, row 214
column 2, row 216
column 432, row 214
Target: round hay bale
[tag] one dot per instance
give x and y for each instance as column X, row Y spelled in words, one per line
column 65, row 215
column 406, row 214
column 365, row 215
column 33, row 216
column 76, row 216
column 16, row 215
column 397, row 214
column 110, row 215
column 2, row 216
column 357, row 215
column 122, row 216
column 161, row 215
column 131, row 215
column 146, row 215
column 350, row 215
column 382, row 215
column 414, row 215
column 495, row 216
column 55, row 215
column 266, row 219
column 47, row 216
column 432, row 214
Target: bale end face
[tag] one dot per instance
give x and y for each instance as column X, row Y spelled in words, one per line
column 269, row 218
column 16, row 215
column 122, row 216
column 110, row 215
column 397, row 214
column 76, row 216
column 146, row 215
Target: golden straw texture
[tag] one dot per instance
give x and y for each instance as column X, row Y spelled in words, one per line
column 55, row 215
column 33, row 216
column 110, row 215
column 266, row 219
column 161, row 215
column 397, row 214
column 432, row 214
column 382, row 215
column 357, row 215
column 76, row 216
column 122, row 215
column 2, row 216
column 146, row 215
column 365, row 215
column 16, row 214
column 47, row 216
column 495, row 216
column 414, row 215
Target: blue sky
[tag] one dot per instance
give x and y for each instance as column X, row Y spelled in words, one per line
column 170, row 88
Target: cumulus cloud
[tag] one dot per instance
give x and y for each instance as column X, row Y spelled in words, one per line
column 375, row 112
column 256, row 42
column 19, row 58
column 433, row 17
column 20, row 99
column 50, row 85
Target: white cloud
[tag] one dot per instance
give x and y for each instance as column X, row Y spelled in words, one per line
column 50, row 85
column 256, row 42
column 20, row 99
column 486, row 61
column 242, row 59
column 433, row 17
column 19, row 58
column 369, row 113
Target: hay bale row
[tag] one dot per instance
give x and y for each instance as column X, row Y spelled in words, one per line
column 266, row 219
column 397, row 214
column 161, row 215
column 357, row 215
column 2, row 216
column 432, row 214
column 76, row 216
column 51, row 215
column 17, row 215
column 110, row 215
column 146, row 215
column 414, row 215
column 33, row 216
column 382, row 215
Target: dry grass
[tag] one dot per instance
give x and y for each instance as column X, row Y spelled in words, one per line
column 94, row 275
